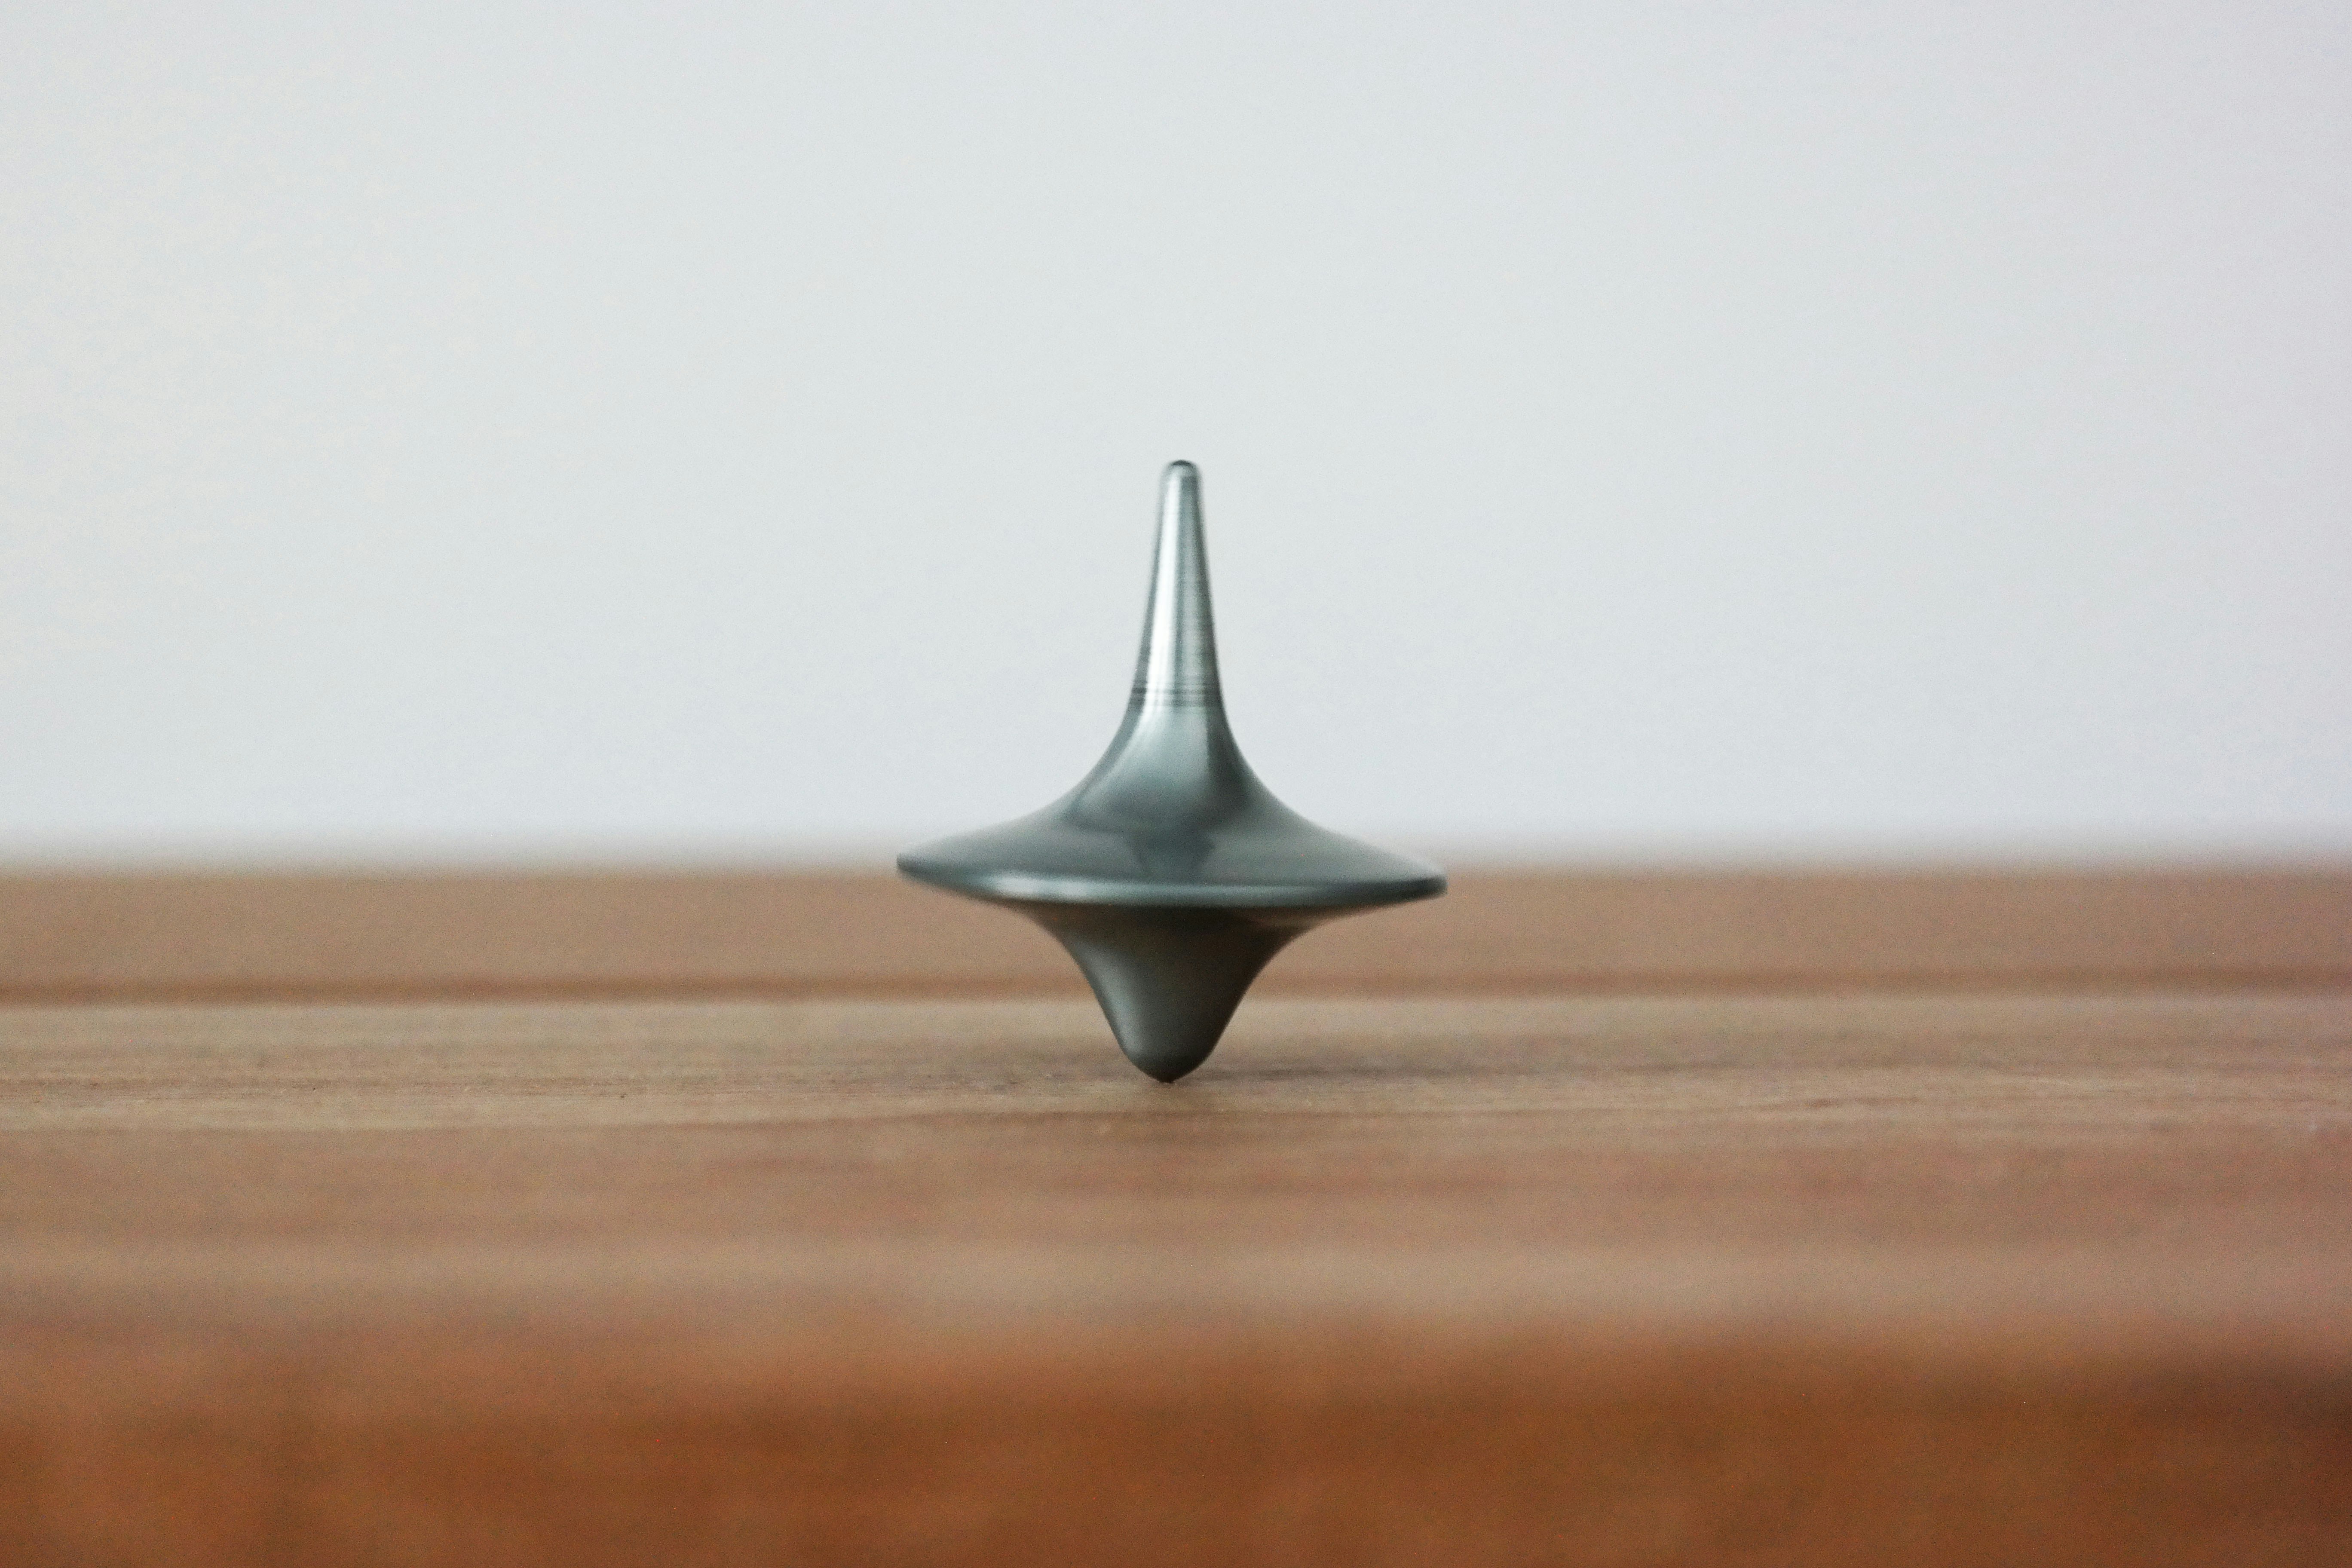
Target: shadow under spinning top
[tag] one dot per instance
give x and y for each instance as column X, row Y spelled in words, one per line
column 1170, row 873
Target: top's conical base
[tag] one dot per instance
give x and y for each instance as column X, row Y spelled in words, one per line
column 1169, row 980
column 1172, row 819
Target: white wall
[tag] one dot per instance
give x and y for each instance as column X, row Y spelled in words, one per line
column 1642, row 429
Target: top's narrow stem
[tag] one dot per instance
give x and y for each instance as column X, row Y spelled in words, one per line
column 1178, row 665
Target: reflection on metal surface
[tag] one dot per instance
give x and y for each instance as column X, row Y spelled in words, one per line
column 1170, row 873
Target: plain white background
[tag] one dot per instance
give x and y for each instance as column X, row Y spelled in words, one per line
column 1732, row 431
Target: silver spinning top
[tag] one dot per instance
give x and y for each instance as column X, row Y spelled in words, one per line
column 1170, row 873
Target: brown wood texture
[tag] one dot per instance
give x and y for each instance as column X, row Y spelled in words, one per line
column 84, row 937
column 1918, row 1256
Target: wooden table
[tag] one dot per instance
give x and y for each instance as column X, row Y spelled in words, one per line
column 1827, row 1219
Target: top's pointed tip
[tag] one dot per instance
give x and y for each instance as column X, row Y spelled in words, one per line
column 1179, row 487
column 1179, row 501
column 1179, row 661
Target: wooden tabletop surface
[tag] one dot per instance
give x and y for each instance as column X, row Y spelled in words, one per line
column 1995, row 1217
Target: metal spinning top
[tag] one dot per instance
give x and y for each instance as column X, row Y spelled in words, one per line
column 1170, row 873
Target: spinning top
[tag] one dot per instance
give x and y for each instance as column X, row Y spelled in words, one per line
column 1170, row 873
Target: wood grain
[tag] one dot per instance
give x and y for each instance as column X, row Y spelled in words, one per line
column 232, row 937
column 903, row 1266
column 1633, row 1280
